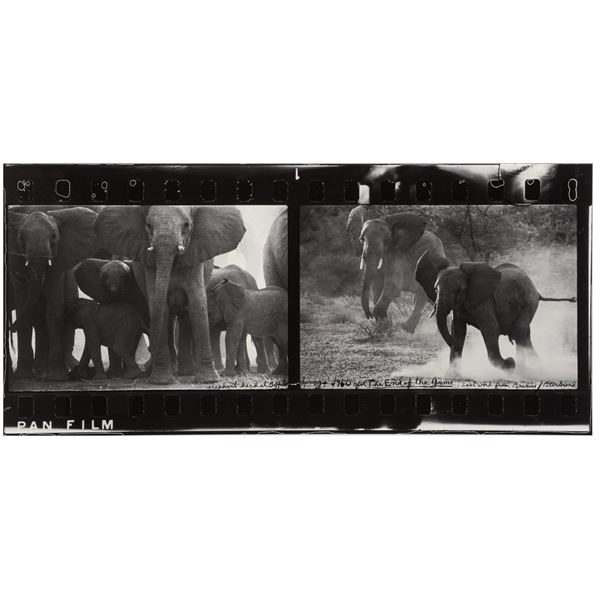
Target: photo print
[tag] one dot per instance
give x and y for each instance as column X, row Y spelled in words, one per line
column 146, row 297
column 462, row 296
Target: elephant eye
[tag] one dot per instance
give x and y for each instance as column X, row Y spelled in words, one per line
column 186, row 225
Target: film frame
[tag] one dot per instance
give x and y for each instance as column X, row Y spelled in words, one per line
column 297, row 409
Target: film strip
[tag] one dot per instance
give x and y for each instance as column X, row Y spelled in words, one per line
column 297, row 298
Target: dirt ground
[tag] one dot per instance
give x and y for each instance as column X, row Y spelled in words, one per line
column 346, row 352
column 252, row 381
column 340, row 348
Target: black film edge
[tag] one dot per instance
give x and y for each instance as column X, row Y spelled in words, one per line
column 321, row 247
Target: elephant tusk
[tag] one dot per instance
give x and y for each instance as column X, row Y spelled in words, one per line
column 362, row 263
column 380, row 263
column 49, row 262
column 432, row 313
column 27, row 263
column 180, row 248
column 150, row 248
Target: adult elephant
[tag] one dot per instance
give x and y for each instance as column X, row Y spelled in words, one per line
column 43, row 245
column 275, row 266
column 275, row 253
column 389, row 247
column 498, row 301
column 173, row 244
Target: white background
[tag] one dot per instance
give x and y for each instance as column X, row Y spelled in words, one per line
column 299, row 516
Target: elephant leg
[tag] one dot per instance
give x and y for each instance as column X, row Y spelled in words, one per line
column 55, row 311
column 84, row 369
column 282, row 364
column 185, row 354
column 525, row 350
column 490, row 335
column 392, row 285
column 242, row 359
column 40, row 361
column 92, row 344
column 233, row 336
column 115, row 364
column 215, row 344
column 411, row 323
column 24, row 368
column 71, row 296
column 125, row 346
column 459, row 332
column 70, row 360
column 262, row 362
column 270, row 352
column 198, row 314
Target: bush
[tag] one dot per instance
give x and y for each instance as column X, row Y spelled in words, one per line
column 332, row 274
column 374, row 330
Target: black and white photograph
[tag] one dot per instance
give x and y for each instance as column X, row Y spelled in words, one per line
column 448, row 296
column 146, row 297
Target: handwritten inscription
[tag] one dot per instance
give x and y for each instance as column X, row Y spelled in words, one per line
column 433, row 383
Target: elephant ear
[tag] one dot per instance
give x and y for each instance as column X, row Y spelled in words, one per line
column 122, row 230
column 87, row 275
column 14, row 221
column 356, row 220
column 217, row 230
column 482, row 281
column 407, row 229
column 427, row 271
column 77, row 235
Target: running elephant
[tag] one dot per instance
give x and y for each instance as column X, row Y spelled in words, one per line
column 498, row 301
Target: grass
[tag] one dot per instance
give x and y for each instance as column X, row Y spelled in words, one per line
column 337, row 341
column 252, row 381
column 366, row 353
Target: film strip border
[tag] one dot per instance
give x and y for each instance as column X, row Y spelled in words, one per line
column 303, row 184
column 295, row 409
column 386, row 411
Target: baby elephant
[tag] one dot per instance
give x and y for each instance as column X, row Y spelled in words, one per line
column 498, row 301
column 259, row 313
column 117, row 326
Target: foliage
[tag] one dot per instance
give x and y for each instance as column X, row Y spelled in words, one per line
column 485, row 233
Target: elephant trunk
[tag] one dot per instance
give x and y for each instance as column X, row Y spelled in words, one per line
column 442, row 309
column 164, row 264
column 39, row 269
column 370, row 264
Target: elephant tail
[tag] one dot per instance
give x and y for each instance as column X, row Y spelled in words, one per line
column 572, row 299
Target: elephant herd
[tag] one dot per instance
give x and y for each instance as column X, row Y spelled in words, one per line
column 145, row 269
column 399, row 254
